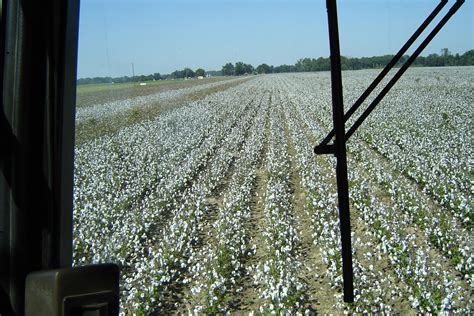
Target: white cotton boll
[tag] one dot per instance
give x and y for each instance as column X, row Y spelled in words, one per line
column 157, row 157
column 266, row 268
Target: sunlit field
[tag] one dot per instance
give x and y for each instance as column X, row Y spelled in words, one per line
column 210, row 198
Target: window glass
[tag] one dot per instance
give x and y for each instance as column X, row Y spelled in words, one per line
column 194, row 165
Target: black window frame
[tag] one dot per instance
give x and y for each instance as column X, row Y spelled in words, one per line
column 37, row 113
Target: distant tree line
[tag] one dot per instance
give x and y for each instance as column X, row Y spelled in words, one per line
column 187, row 73
column 239, row 69
column 432, row 60
column 177, row 74
column 348, row 63
column 445, row 58
column 155, row 76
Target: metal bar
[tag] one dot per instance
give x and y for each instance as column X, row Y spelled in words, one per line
column 66, row 48
column 340, row 151
column 383, row 73
column 36, row 172
column 405, row 66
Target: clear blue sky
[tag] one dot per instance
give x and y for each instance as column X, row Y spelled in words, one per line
column 165, row 35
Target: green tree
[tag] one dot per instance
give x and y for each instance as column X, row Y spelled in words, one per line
column 228, row 70
column 177, row 74
column 189, row 73
column 284, row 68
column 242, row 68
column 263, row 69
column 239, row 68
column 156, row 76
column 467, row 59
column 434, row 60
column 304, row 64
column 445, row 52
column 143, row 78
column 200, row 72
column 248, row 69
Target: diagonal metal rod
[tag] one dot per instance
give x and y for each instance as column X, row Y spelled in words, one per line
column 340, row 150
column 405, row 66
column 387, row 68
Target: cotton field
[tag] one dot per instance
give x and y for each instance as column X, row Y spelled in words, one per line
column 220, row 205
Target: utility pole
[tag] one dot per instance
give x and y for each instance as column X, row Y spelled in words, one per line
column 133, row 70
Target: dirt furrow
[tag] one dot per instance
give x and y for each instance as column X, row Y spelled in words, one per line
column 409, row 183
column 320, row 295
column 206, row 239
column 249, row 298
column 367, row 242
column 177, row 197
column 361, row 246
column 428, row 201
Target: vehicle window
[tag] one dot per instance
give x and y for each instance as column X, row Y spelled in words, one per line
column 194, row 163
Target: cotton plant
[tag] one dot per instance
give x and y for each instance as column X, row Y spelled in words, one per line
column 370, row 284
column 444, row 231
column 108, row 110
column 170, row 199
column 282, row 287
column 215, row 273
column 137, row 201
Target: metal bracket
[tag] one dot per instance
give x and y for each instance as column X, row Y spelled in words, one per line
column 324, row 149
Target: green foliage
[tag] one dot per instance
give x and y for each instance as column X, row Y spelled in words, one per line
column 264, row 69
column 347, row 63
column 242, row 68
column 224, row 262
column 228, row 69
column 200, row 72
column 239, row 68
column 135, row 115
column 445, row 58
column 185, row 73
column 188, row 73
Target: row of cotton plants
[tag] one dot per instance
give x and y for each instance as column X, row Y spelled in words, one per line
column 173, row 252
column 431, row 287
column 127, row 183
column 425, row 294
column 221, row 195
column 439, row 226
column 423, row 127
column 371, row 284
column 320, row 199
column 432, row 141
column 110, row 109
column 410, row 251
column 216, row 274
column 281, row 286
column 141, row 168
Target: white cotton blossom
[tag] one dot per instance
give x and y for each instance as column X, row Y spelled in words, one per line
column 223, row 198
